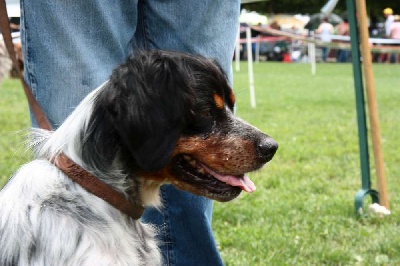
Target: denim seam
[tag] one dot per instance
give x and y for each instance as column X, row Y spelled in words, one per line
column 28, row 76
column 166, row 231
column 143, row 29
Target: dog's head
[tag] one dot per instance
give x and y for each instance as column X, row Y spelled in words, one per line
column 172, row 113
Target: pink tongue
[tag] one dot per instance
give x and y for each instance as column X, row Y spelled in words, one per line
column 236, row 181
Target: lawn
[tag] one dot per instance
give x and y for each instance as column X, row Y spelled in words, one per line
column 303, row 211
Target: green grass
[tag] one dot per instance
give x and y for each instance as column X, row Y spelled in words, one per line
column 303, row 211
column 14, row 118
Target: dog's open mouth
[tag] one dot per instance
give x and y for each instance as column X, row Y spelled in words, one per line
column 205, row 181
column 241, row 181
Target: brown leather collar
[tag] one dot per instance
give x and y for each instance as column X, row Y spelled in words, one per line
column 97, row 187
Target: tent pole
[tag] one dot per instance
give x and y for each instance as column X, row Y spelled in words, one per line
column 372, row 104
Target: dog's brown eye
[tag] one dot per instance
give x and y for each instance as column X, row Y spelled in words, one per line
column 201, row 123
column 206, row 112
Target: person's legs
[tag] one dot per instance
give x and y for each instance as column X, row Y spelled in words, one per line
column 324, row 53
column 71, row 48
column 184, row 228
column 207, row 28
column 343, row 56
column 204, row 27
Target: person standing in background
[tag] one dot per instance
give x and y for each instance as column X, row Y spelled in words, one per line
column 394, row 33
column 325, row 31
column 343, row 29
column 389, row 18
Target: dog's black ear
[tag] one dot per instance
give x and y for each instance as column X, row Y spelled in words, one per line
column 148, row 101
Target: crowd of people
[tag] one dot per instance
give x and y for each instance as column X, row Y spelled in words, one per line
column 331, row 30
column 391, row 31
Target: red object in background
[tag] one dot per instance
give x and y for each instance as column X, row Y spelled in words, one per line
column 286, row 58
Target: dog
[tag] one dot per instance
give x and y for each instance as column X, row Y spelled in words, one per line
column 162, row 117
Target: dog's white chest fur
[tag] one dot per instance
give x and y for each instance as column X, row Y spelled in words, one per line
column 46, row 219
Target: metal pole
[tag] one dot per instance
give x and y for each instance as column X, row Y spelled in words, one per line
column 311, row 55
column 360, row 108
column 250, row 68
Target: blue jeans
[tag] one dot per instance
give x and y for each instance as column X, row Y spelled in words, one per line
column 343, row 56
column 71, row 48
column 325, row 52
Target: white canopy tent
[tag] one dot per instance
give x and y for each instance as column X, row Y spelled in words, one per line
column 13, row 8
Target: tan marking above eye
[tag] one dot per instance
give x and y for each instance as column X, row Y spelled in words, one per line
column 232, row 97
column 219, row 102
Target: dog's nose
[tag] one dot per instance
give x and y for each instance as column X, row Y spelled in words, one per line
column 267, row 148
